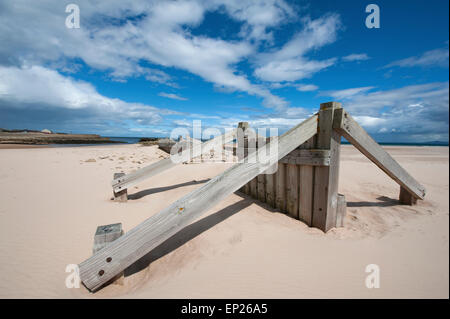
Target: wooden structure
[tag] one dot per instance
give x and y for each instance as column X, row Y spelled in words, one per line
column 105, row 235
column 122, row 182
column 305, row 186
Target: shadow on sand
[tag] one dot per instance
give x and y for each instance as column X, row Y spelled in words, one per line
column 150, row 191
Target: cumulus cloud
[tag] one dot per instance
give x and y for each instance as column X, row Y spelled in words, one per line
column 118, row 36
column 258, row 16
column 438, row 57
column 39, row 89
column 418, row 113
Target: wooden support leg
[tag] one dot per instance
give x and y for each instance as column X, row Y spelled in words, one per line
column 104, row 235
column 121, row 196
column 406, row 198
column 326, row 178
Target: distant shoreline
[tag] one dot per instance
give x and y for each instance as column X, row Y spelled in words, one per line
column 26, row 137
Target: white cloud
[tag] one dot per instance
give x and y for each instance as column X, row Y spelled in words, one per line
column 258, row 15
column 172, row 96
column 307, row 87
column 438, row 57
column 356, row 57
column 418, row 113
column 118, row 36
column 347, row 93
column 38, row 87
column 290, row 63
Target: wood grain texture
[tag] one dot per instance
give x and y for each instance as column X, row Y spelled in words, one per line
column 261, row 180
column 292, row 191
column 313, row 157
column 326, row 178
column 306, row 194
column 270, row 189
column 137, row 242
column 121, row 196
column 135, row 177
column 254, row 188
column 280, row 187
column 357, row 136
column 306, row 187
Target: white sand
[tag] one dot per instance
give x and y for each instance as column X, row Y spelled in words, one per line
column 52, row 200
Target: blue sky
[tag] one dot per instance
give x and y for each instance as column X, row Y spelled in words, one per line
column 144, row 68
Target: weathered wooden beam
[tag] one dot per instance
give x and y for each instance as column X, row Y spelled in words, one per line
column 126, row 250
column 120, row 196
column 355, row 134
column 307, row 187
column 261, row 180
column 280, row 189
column 135, row 177
column 326, row 178
column 270, row 189
column 292, row 190
column 104, row 236
column 312, row 157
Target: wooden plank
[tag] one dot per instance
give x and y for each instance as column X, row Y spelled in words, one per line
column 306, row 187
column 261, row 179
column 280, row 187
column 104, row 236
column 356, row 135
column 121, row 196
column 341, row 210
column 135, row 177
column 326, row 178
column 292, row 191
column 137, row 242
column 306, row 194
column 308, row 157
column 270, row 189
column 242, row 148
column 254, row 188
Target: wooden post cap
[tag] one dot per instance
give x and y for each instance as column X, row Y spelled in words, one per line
column 243, row 125
column 327, row 105
column 106, row 234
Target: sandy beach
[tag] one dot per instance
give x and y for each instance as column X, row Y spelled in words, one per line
column 53, row 199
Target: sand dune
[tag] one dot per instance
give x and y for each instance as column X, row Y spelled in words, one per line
column 52, row 200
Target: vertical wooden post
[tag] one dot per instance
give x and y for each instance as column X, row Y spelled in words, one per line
column 406, row 198
column 121, row 196
column 242, row 149
column 326, row 178
column 292, row 191
column 104, row 235
column 306, row 187
column 280, row 190
column 270, row 189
